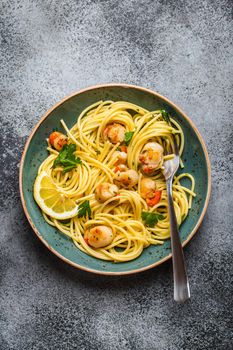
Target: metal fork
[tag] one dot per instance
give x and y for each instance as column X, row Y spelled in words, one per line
column 181, row 284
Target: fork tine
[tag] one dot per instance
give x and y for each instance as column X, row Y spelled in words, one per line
column 176, row 149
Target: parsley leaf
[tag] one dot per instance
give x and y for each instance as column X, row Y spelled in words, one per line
column 128, row 137
column 66, row 158
column 151, row 219
column 165, row 116
column 84, row 209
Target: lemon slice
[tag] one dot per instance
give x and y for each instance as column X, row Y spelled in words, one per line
column 51, row 200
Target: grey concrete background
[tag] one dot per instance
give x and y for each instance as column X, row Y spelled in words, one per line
column 182, row 49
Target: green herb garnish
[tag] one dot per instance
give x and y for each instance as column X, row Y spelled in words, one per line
column 165, row 116
column 67, row 159
column 84, row 209
column 97, row 151
column 151, row 219
column 128, row 137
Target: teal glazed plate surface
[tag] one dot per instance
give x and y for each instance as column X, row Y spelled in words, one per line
column 195, row 157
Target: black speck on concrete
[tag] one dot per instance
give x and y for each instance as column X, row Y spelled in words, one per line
column 182, row 49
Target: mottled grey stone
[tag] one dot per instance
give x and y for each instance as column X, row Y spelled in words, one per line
column 182, row 49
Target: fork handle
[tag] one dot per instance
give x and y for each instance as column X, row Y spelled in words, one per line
column 181, row 284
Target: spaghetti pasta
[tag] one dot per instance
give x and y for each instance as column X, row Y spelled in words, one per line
column 107, row 159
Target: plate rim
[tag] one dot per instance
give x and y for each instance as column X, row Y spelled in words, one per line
column 41, row 120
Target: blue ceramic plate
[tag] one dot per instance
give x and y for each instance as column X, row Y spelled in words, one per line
column 195, row 159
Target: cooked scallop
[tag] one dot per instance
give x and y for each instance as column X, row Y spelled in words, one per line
column 151, row 157
column 127, row 178
column 105, row 191
column 99, row 236
column 147, row 188
column 57, row 140
column 121, row 157
column 149, row 193
column 115, row 133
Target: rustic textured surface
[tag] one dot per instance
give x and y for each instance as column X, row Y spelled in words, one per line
column 180, row 49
